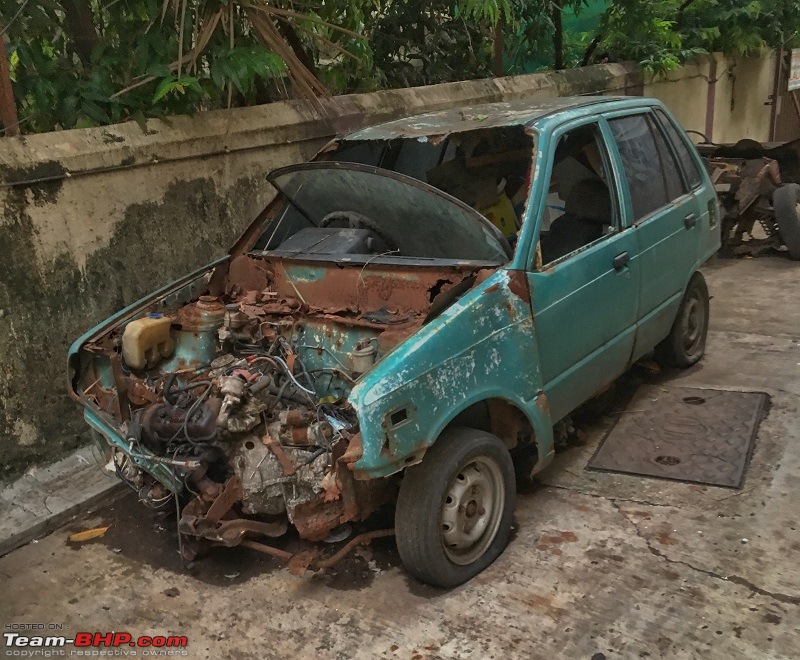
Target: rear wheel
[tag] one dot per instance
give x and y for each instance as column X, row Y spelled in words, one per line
column 455, row 509
column 786, row 203
column 686, row 342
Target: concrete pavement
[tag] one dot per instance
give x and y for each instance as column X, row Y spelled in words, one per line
column 600, row 565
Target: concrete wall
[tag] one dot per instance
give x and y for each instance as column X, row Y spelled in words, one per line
column 91, row 220
column 726, row 98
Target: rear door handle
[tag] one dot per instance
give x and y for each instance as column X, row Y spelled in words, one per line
column 621, row 260
column 690, row 221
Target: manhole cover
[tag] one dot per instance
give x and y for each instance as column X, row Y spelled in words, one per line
column 684, row 433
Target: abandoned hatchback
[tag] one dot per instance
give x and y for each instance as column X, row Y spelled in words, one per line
column 413, row 311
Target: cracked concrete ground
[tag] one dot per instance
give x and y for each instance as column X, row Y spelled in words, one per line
column 600, row 565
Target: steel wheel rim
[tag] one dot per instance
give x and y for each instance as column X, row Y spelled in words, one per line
column 692, row 323
column 472, row 510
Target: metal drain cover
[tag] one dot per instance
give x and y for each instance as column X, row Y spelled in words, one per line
column 684, row 433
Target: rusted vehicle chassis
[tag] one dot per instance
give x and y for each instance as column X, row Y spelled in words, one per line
column 747, row 175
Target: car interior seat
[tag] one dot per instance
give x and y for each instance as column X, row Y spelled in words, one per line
column 587, row 215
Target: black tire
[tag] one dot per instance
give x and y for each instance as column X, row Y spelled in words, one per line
column 461, row 460
column 686, row 342
column 786, row 204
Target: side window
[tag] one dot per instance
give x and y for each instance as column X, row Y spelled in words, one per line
column 678, row 141
column 651, row 172
column 581, row 201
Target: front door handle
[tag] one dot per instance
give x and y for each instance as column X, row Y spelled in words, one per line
column 690, row 221
column 621, row 260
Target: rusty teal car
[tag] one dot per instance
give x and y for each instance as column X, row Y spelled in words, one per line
column 404, row 324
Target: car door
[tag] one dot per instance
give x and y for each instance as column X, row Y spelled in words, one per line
column 585, row 287
column 667, row 218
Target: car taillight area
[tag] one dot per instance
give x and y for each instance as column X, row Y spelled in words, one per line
column 235, row 402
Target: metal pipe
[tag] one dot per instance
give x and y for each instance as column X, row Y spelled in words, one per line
column 361, row 539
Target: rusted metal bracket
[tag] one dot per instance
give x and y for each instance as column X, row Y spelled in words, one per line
column 299, row 562
column 283, row 459
column 231, row 494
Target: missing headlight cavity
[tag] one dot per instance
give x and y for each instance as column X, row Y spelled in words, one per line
column 398, row 416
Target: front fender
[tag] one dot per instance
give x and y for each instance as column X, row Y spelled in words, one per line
column 483, row 346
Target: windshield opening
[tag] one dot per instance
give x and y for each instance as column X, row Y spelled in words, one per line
column 384, row 199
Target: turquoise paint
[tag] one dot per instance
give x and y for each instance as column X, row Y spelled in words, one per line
column 326, row 346
column 103, row 366
column 481, row 347
column 304, row 273
column 191, row 348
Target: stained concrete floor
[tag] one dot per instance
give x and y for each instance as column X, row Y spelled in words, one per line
column 600, row 565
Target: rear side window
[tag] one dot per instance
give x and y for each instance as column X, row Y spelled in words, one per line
column 650, row 169
column 682, row 149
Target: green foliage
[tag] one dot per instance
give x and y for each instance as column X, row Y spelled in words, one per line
column 488, row 10
column 130, row 69
column 662, row 35
column 421, row 42
column 93, row 62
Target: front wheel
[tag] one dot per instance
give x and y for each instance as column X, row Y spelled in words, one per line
column 455, row 509
column 686, row 342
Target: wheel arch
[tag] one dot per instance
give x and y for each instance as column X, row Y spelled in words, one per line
column 509, row 419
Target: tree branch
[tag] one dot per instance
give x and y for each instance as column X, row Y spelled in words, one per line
column 558, row 36
column 81, row 28
column 587, row 55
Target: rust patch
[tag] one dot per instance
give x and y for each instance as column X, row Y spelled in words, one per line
column 553, row 550
column 249, row 273
column 355, row 450
column 563, row 537
column 394, row 289
column 518, row 285
column 665, row 539
column 283, row 459
column 507, row 421
column 541, row 603
column 543, row 404
column 315, row 519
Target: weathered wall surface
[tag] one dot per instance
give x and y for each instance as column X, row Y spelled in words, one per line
column 725, row 98
column 91, row 220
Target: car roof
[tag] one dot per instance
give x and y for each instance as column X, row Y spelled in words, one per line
column 522, row 113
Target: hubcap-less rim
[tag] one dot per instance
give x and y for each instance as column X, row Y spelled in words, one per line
column 472, row 509
column 692, row 324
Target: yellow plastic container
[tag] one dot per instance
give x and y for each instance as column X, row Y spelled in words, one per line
column 501, row 214
column 147, row 341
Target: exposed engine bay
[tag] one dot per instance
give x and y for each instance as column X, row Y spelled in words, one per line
column 235, row 404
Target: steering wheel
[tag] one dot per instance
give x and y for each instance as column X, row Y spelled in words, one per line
column 356, row 220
